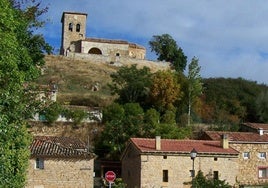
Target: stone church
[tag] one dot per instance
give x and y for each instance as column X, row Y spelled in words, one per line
column 74, row 40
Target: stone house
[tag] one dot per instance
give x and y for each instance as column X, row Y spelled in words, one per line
column 160, row 162
column 60, row 162
column 252, row 160
column 74, row 40
column 261, row 128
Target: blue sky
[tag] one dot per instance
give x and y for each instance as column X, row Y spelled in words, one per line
column 230, row 38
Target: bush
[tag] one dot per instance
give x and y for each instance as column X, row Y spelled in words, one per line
column 201, row 181
column 52, row 112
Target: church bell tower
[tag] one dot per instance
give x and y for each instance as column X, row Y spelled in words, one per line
column 73, row 31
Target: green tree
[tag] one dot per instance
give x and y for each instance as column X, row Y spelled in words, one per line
column 52, row 112
column 17, row 67
column 167, row 50
column 262, row 106
column 121, row 123
column 131, row 84
column 151, row 120
column 195, row 84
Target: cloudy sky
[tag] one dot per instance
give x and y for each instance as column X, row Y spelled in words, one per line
column 230, row 38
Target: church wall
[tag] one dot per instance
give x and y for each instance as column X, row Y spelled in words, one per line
column 116, row 61
column 106, row 48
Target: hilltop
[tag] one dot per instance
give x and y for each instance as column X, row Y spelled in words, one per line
column 84, row 82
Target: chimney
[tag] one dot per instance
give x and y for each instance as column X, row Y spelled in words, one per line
column 158, row 142
column 224, row 141
column 261, row 131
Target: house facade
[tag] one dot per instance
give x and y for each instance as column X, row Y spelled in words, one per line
column 160, row 162
column 252, row 159
column 60, row 162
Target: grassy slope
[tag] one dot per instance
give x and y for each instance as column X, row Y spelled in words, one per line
column 76, row 78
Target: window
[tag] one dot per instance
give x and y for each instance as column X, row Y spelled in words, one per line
column 164, row 157
column 262, row 155
column 263, row 172
column 246, row 155
column 165, row 175
column 215, row 175
column 39, row 163
column 215, row 158
column 77, row 27
column 70, row 27
column 117, row 54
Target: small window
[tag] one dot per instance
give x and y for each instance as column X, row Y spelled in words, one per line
column 215, row 158
column 263, row 173
column 215, row 175
column 164, row 157
column 70, row 27
column 39, row 163
column 262, row 155
column 165, row 175
column 77, row 27
column 246, row 155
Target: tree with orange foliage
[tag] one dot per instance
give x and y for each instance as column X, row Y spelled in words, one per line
column 164, row 90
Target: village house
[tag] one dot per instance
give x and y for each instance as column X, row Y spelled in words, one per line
column 252, row 148
column 167, row 163
column 60, row 162
column 261, row 128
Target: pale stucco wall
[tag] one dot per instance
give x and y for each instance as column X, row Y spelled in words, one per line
column 61, row 173
column 111, row 49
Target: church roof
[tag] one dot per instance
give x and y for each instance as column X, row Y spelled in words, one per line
column 114, row 41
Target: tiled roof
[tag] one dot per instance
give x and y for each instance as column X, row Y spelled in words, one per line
column 113, row 41
column 248, row 137
column 182, row 146
column 257, row 126
column 59, row 147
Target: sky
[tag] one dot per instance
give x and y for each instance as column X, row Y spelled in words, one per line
column 230, row 38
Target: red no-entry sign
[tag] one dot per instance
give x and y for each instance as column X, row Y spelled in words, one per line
column 110, row 176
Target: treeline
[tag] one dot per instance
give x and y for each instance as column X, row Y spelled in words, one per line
column 223, row 105
column 170, row 103
column 231, row 101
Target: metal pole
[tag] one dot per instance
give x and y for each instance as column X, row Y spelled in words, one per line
column 193, row 174
column 110, row 184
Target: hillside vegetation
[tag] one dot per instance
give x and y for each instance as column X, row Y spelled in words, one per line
column 82, row 82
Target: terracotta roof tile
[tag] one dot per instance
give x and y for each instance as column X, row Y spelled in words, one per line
column 238, row 136
column 60, row 147
column 257, row 126
column 182, row 146
column 113, row 41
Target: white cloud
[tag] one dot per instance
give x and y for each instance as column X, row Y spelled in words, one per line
column 228, row 37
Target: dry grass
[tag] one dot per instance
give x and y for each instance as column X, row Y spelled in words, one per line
column 76, row 79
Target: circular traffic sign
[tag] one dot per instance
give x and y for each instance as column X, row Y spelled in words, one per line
column 110, row 176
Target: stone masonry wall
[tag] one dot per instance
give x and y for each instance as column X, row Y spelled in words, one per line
column 151, row 168
column 116, row 61
column 63, row 173
column 248, row 168
column 69, row 37
column 179, row 170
